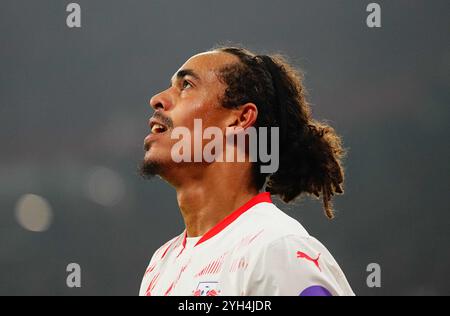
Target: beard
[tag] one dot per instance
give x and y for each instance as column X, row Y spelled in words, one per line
column 149, row 169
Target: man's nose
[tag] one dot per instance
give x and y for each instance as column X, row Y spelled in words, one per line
column 161, row 101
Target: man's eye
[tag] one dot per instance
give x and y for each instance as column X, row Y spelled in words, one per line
column 186, row 84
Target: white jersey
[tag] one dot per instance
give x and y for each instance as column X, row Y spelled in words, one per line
column 256, row 250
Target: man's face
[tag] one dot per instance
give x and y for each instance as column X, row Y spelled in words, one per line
column 195, row 92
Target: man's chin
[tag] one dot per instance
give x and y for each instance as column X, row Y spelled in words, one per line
column 150, row 168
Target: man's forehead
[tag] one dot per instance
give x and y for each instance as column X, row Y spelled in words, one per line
column 206, row 64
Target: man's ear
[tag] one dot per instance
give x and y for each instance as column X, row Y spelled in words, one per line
column 244, row 116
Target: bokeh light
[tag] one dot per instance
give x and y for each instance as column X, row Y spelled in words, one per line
column 105, row 186
column 33, row 212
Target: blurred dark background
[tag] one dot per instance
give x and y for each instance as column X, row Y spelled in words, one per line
column 74, row 111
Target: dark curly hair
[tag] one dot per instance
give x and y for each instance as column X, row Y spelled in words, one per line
column 310, row 151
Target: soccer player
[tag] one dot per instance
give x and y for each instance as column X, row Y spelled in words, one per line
column 236, row 241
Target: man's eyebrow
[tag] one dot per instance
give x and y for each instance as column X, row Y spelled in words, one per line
column 183, row 73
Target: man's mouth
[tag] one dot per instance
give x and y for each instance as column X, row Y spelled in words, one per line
column 157, row 127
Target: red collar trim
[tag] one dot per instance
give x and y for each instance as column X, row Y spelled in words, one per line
column 260, row 198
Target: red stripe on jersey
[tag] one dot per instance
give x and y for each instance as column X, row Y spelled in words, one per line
column 150, row 269
column 214, row 267
column 260, row 198
column 169, row 290
column 152, row 285
column 183, row 244
column 208, row 271
column 184, row 239
column 168, row 247
column 256, row 236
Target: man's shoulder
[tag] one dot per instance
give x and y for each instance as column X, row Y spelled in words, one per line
column 266, row 225
column 162, row 251
column 275, row 222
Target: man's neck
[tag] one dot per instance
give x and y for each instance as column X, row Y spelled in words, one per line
column 207, row 199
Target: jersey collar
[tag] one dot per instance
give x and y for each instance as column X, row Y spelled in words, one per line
column 260, row 198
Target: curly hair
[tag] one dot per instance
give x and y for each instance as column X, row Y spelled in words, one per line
column 310, row 151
